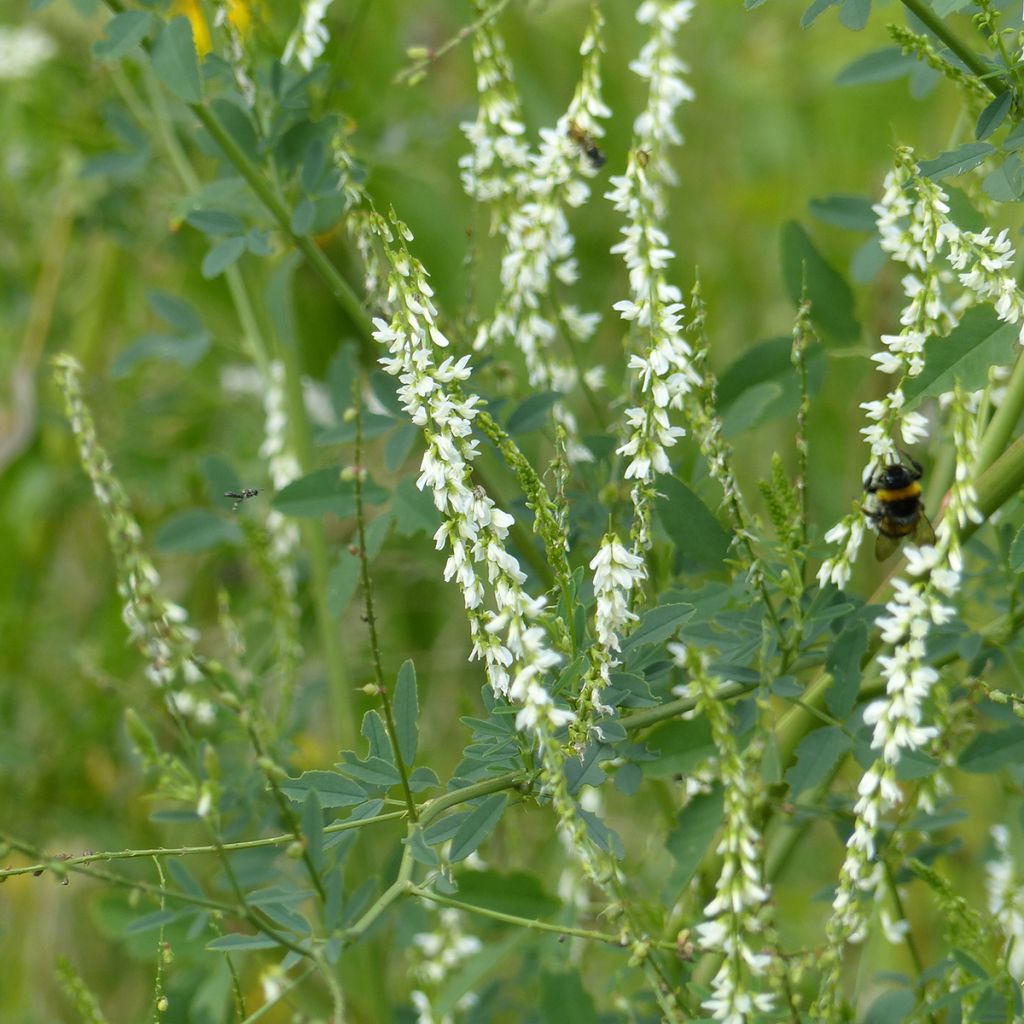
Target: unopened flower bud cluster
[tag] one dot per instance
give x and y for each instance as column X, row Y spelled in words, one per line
column 736, row 920
column 159, row 628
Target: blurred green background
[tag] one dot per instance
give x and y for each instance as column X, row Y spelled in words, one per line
column 84, row 239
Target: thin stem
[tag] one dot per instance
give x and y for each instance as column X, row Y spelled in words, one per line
column 371, row 617
column 935, row 25
column 1004, row 419
column 532, row 924
column 181, row 851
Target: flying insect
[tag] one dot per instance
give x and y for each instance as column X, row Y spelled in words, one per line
column 587, row 145
column 240, row 496
column 899, row 511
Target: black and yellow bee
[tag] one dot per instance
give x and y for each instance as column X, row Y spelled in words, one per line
column 899, row 510
column 587, row 145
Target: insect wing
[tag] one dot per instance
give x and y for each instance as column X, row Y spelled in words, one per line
column 923, row 532
column 885, row 546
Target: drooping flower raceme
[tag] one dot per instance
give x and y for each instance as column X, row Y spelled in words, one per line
column 915, row 229
column 662, row 361
column 737, row 918
column 920, row 601
column 539, row 245
column 617, row 571
column 310, row 38
column 157, row 627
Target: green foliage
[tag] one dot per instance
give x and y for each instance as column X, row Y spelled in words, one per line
column 280, row 829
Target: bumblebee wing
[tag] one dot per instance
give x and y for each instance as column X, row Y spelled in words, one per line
column 923, row 532
column 885, row 546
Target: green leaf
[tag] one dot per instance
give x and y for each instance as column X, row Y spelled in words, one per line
column 978, row 342
column 375, row 732
column 853, row 213
column 222, row 256
column 1006, row 182
column 602, row 835
column 374, row 771
column 891, row 1008
column 398, row 446
column 241, row 943
column 1017, row 552
column 341, row 377
column 168, row 348
column 957, row 161
column 696, row 825
column 124, row 32
column 324, row 491
column 174, row 60
column 342, row 581
column 196, row 530
column 679, row 747
column 658, row 625
column 993, row 115
column 422, row 853
column 332, row 789
column 344, row 432
column 177, row 312
column 881, row 66
column 516, row 893
column 313, row 829
column 238, row 124
column 413, row 509
column 818, row 753
column 302, row 218
column 406, row 710
column 854, row 14
column 690, row 524
column 830, row 296
column 994, row 750
column 215, row 222
column 762, row 385
column 478, row 826
column 532, row 413
column 564, row 1000
column 842, row 662
column 816, row 8
column 423, row 778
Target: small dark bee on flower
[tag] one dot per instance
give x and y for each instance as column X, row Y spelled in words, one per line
column 589, row 148
column 240, row 496
column 899, row 510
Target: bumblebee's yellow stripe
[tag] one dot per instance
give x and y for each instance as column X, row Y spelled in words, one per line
column 910, row 491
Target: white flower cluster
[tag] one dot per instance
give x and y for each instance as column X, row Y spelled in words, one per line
column 310, row 38
column 493, row 171
column 736, row 917
column 664, row 369
column 511, row 643
column 918, row 603
column 915, row 228
column 539, row 245
column 22, row 50
column 437, row 955
column 1005, row 887
column 159, row 628
column 658, row 63
column 617, row 572
column 282, row 464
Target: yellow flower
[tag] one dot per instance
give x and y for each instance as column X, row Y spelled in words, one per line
column 240, row 15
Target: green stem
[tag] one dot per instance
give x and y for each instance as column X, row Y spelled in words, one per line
column 525, row 922
column 1000, row 428
column 935, row 25
column 371, row 617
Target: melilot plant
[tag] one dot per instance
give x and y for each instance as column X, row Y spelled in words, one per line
column 682, row 695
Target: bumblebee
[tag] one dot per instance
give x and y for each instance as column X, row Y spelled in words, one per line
column 899, row 510
column 240, row 496
column 586, row 144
